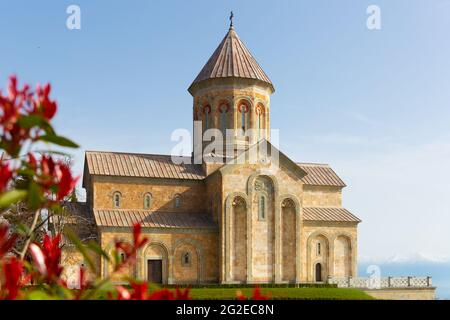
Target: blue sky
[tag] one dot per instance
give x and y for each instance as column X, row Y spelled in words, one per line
column 373, row 104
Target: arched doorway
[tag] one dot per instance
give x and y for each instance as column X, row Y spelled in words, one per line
column 155, row 263
column 318, row 272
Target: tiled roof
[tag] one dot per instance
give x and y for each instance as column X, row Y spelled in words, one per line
column 320, row 175
column 162, row 166
column 148, row 219
column 141, row 165
column 328, row 214
column 232, row 59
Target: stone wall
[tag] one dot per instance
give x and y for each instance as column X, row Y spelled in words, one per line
column 403, row 293
column 288, row 221
column 73, row 260
column 169, row 246
column 322, row 196
column 335, row 258
column 163, row 192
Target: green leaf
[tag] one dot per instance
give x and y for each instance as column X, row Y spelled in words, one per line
column 11, row 197
column 80, row 247
column 39, row 295
column 35, row 120
column 35, row 196
column 58, row 140
column 31, row 121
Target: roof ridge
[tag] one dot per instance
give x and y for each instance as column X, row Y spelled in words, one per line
column 313, row 164
column 135, row 153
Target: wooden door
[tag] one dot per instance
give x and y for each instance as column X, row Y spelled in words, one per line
column 318, row 272
column 154, row 271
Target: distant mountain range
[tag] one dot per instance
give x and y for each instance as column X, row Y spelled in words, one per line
column 416, row 257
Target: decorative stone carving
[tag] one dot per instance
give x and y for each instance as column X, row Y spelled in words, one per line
column 263, row 185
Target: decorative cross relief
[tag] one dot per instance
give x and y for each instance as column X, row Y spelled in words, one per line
column 262, row 185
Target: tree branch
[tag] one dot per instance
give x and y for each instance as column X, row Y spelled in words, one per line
column 30, row 233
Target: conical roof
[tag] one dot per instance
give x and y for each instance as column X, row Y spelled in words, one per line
column 232, row 59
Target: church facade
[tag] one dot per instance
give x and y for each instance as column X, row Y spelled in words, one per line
column 224, row 221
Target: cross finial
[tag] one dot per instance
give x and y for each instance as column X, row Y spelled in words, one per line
column 231, row 18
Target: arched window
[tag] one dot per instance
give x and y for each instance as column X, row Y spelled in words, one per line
column 177, row 201
column 223, row 109
column 147, row 201
column 122, row 257
column 319, row 249
column 243, row 109
column 260, row 120
column 262, row 207
column 186, row 259
column 207, row 112
column 117, row 199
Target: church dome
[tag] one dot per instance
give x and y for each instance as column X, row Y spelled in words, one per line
column 232, row 59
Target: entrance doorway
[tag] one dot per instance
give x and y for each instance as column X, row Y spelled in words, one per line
column 318, row 272
column 154, row 271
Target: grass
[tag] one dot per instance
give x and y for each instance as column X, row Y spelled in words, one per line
column 282, row 293
column 276, row 293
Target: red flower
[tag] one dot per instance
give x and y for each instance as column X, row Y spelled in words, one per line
column 52, row 176
column 140, row 292
column 6, row 243
column 163, row 294
column 48, row 257
column 138, row 238
column 122, row 293
column 182, row 294
column 83, row 284
column 66, row 182
column 255, row 296
column 5, row 176
column 13, row 269
column 43, row 104
column 130, row 250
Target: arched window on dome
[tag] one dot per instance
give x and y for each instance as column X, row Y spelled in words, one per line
column 244, row 108
column 223, row 110
column 207, row 112
column 260, row 121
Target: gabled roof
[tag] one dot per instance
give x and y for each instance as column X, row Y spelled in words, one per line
column 149, row 219
column 141, row 165
column 331, row 214
column 232, row 59
column 161, row 166
column 320, row 175
column 271, row 151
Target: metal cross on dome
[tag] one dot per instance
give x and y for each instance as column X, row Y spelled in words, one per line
column 231, row 18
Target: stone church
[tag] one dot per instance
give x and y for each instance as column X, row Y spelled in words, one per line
column 224, row 221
